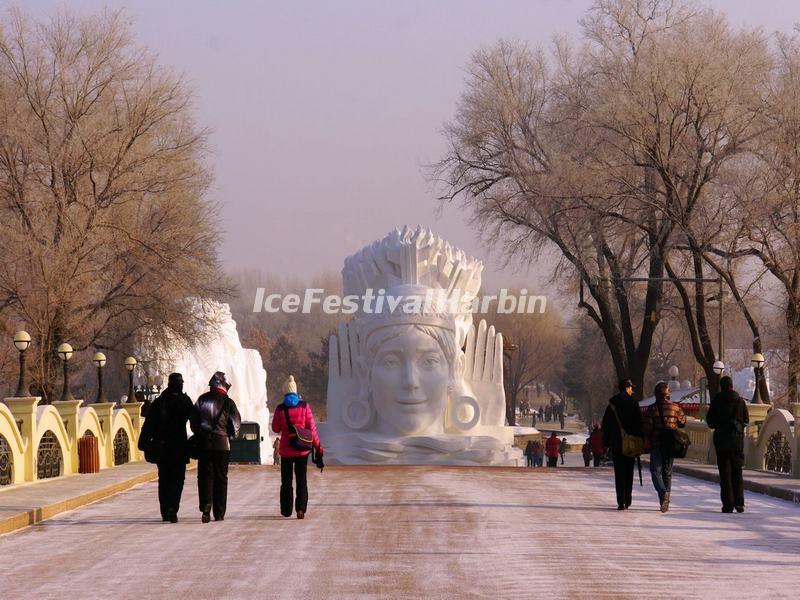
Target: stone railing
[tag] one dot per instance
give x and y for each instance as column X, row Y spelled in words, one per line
column 39, row 442
column 702, row 448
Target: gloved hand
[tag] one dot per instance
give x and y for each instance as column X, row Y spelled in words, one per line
column 316, row 457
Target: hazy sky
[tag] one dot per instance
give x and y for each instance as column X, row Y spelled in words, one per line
column 323, row 113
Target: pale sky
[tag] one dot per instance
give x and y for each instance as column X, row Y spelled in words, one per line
column 324, row 113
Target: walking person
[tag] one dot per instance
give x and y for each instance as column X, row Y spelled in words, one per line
column 586, row 451
column 215, row 421
column 728, row 417
column 562, row 449
column 537, row 453
column 291, row 419
column 528, row 454
column 622, row 415
column 276, row 457
column 551, row 450
column 598, row 448
column 163, row 440
column 662, row 414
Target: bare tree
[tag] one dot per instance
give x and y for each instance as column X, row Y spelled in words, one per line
column 102, row 189
column 607, row 152
column 770, row 210
column 538, row 340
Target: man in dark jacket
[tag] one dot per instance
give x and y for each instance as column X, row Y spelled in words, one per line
column 216, row 421
column 728, row 417
column 163, row 439
column 630, row 417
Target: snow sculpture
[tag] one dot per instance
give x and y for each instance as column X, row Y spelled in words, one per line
column 402, row 386
column 222, row 351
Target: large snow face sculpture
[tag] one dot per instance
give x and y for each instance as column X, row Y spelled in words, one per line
column 412, row 380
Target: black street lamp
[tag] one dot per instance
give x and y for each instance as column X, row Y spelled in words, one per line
column 65, row 352
column 22, row 340
column 758, row 370
column 100, row 360
column 130, row 364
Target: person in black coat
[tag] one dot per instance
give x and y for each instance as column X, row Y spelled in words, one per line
column 163, row 439
column 215, row 421
column 728, row 417
column 630, row 416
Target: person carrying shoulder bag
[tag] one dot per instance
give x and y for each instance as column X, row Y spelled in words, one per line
column 294, row 422
column 622, row 434
column 215, row 422
column 661, row 423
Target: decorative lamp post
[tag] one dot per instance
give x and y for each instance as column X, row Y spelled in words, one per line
column 758, row 370
column 100, row 360
column 130, row 364
column 22, row 340
column 673, row 378
column 508, row 351
column 719, row 368
column 65, row 353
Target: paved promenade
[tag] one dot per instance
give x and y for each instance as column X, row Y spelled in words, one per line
column 27, row 504
column 414, row 532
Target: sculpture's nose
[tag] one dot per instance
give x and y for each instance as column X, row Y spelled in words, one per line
column 410, row 380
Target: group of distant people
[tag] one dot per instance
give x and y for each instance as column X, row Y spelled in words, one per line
column 626, row 434
column 548, row 413
column 623, row 424
column 553, row 449
column 215, row 421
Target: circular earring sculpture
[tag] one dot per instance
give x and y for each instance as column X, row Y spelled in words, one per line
column 356, row 413
column 463, row 406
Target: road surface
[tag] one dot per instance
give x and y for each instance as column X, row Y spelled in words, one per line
column 414, row 532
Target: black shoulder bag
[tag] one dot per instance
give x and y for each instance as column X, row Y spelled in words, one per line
column 300, row 438
column 674, row 442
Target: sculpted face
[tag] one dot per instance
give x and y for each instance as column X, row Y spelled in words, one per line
column 409, row 379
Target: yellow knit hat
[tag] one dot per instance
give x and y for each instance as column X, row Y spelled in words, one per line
column 289, row 386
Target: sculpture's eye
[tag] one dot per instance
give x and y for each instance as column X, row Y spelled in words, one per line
column 389, row 362
column 430, row 361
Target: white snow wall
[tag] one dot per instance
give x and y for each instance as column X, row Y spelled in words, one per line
column 243, row 367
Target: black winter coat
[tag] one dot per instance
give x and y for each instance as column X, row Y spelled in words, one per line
column 216, row 420
column 630, row 415
column 166, row 421
column 728, row 416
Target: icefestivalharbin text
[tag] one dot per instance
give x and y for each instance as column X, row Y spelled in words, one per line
column 374, row 301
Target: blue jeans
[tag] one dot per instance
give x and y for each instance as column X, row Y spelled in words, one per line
column 661, row 472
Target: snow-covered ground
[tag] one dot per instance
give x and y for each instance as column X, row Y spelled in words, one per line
column 415, row 532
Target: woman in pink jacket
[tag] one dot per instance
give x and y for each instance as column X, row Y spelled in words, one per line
column 294, row 412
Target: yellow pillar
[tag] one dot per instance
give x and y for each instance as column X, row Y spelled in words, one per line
column 24, row 411
column 68, row 410
column 105, row 412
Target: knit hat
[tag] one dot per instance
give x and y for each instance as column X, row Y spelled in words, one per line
column 289, row 386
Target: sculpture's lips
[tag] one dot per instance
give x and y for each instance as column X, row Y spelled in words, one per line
column 411, row 401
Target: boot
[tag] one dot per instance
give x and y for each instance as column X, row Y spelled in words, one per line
column 665, row 503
